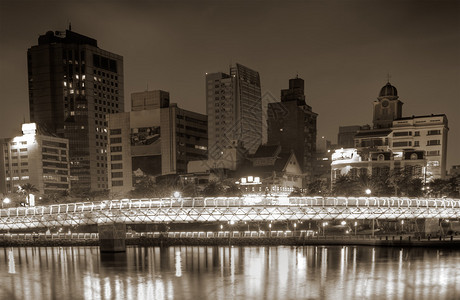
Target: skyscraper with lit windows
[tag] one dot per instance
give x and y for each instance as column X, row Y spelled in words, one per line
column 73, row 84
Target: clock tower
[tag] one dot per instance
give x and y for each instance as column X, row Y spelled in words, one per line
column 387, row 108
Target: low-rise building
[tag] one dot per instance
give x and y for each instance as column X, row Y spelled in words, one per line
column 153, row 142
column 37, row 158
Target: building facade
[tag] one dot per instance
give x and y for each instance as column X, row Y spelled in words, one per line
column 153, row 142
column 234, row 108
column 425, row 133
column 292, row 125
column 35, row 158
column 73, row 84
column 417, row 143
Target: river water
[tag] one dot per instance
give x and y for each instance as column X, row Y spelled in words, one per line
column 309, row 272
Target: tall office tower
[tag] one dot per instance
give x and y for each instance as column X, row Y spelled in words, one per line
column 292, row 124
column 234, row 108
column 73, row 84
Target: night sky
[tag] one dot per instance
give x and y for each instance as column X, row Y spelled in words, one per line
column 343, row 49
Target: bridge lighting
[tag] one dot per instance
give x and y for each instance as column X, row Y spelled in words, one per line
column 368, row 191
column 176, row 194
column 343, row 223
column 402, row 222
column 232, row 222
column 221, row 226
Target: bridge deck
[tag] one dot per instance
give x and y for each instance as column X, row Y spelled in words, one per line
column 222, row 209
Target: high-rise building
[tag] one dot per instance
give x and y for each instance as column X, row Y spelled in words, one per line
column 153, row 142
column 292, row 124
column 37, row 158
column 234, row 108
column 149, row 100
column 73, row 84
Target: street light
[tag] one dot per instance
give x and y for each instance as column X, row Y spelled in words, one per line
column 324, row 228
column 6, row 201
column 368, row 191
column 356, row 225
column 176, row 194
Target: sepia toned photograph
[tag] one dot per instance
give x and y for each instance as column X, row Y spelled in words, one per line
column 264, row 149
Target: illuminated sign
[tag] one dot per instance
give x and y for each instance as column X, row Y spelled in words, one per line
column 345, row 154
column 29, row 128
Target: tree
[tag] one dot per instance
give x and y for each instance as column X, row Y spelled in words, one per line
column 344, row 186
column 213, row 189
column 317, row 187
column 28, row 189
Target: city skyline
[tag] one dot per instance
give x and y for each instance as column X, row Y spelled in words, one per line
column 342, row 51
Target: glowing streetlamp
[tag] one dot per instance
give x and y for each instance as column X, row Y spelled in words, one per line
column 295, row 226
column 356, row 225
column 6, row 201
column 368, row 191
column 176, row 194
column 324, row 228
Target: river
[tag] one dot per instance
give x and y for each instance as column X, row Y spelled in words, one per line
column 309, row 272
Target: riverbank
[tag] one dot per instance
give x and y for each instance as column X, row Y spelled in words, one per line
column 448, row 242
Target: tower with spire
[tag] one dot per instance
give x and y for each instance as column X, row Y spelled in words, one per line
column 387, row 107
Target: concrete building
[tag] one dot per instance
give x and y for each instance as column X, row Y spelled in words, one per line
column 355, row 162
column 153, row 142
column 35, row 158
column 346, row 136
column 149, row 100
column 234, row 108
column 322, row 160
column 73, row 84
column 426, row 133
column 395, row 142
column 292, row 125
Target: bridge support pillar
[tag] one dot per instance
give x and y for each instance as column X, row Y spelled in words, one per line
column 112, row 237
column 428, row 227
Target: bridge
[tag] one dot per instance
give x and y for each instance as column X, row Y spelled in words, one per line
column 222, row 209
column 111, row 216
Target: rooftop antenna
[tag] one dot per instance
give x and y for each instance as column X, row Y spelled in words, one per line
column 147, row 87
column 388, row 77
column 70, row 26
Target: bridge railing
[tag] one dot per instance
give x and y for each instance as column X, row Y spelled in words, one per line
column 158, row 203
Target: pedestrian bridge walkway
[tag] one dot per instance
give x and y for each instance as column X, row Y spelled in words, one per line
column 221, row 209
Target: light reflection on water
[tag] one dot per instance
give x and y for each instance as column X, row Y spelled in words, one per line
column 309, row 272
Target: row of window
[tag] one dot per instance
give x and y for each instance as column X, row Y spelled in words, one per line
column 416, row 143
column 416, row 133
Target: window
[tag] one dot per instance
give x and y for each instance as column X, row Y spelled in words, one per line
column 115, row 131
column 433, row 142
column 434, row 132
column 401, row 144
column 117, row 166
column 117, row 175
column 115, row 140
column 417, row 133
column 432, row 153
column 116, row 157
column 115, row 149
column 416, row 143
column 117, row 183
column 403, row 133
